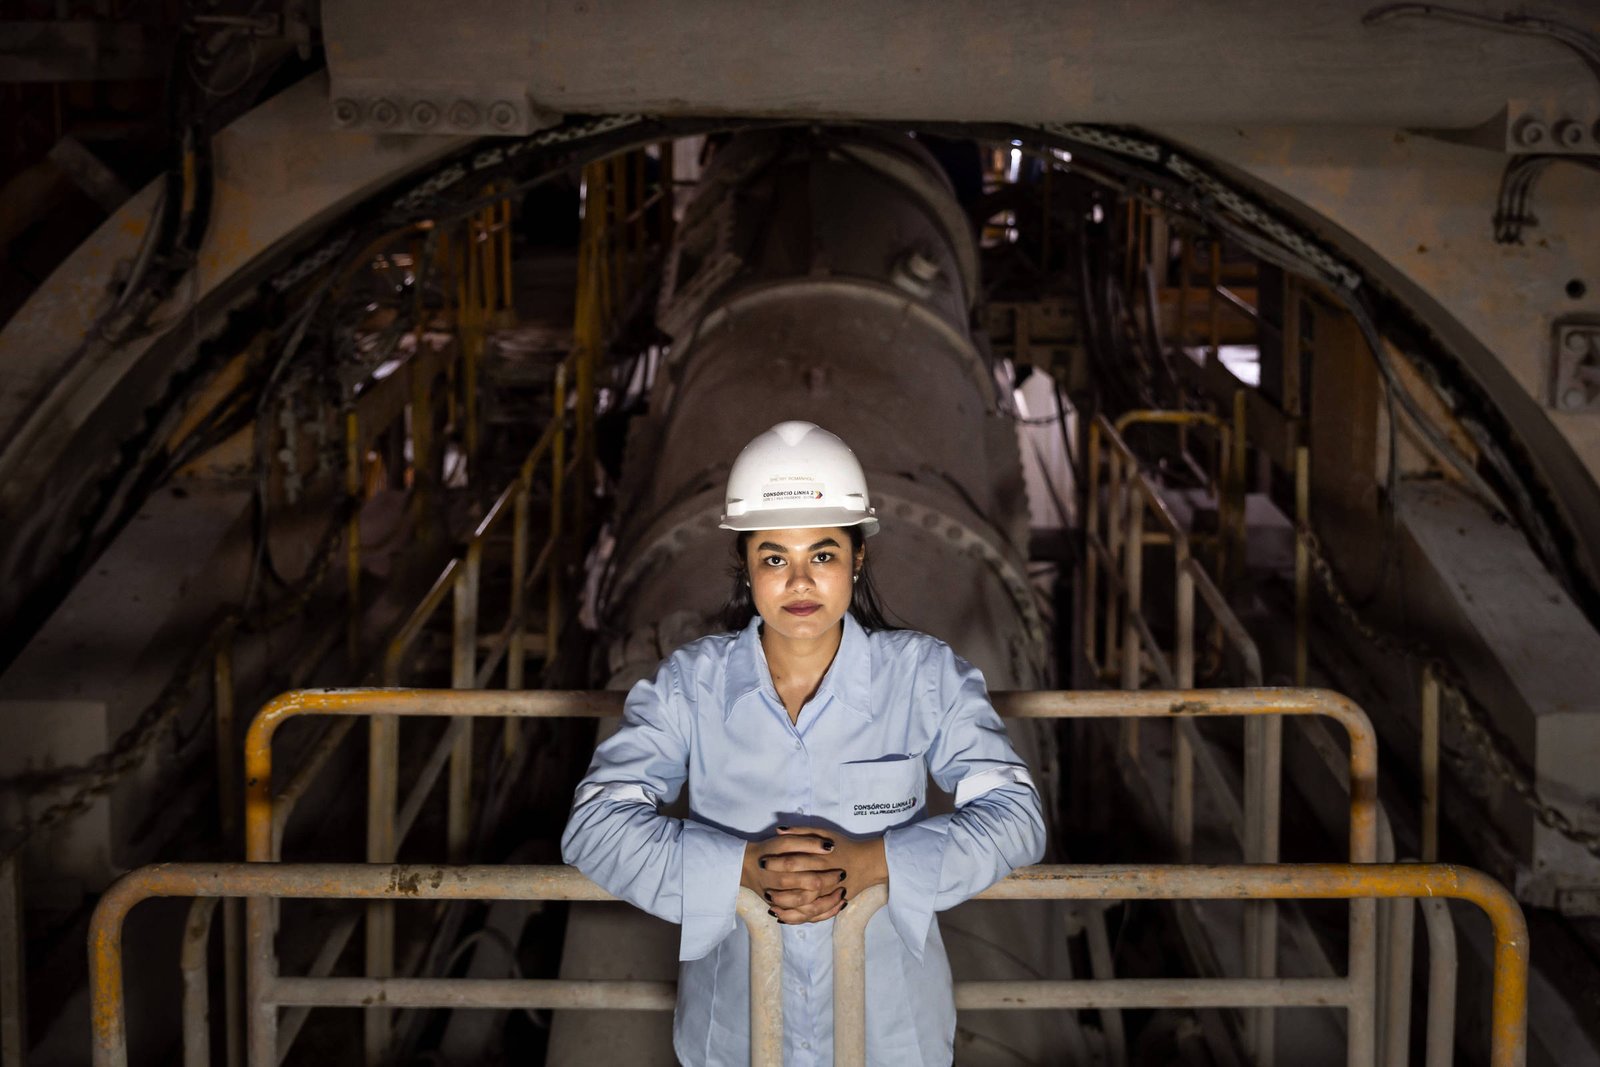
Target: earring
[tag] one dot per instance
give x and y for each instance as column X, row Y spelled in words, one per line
column 856, row 577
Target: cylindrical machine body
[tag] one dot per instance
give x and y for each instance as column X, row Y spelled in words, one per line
column 829, row 277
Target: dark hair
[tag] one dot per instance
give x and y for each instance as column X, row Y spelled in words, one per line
column 864, row 603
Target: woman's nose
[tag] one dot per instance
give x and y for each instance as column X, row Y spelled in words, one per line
column 800, row 576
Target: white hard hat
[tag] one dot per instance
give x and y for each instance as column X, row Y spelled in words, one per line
column 794, row 476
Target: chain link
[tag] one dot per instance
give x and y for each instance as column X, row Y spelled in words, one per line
column 1470, row 716
column 103, row 773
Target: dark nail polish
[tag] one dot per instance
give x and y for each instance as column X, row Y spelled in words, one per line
column 827, row 846
column 772, row 913
column 768, row 894
column 841, row 876
column 763, row 863
column 843, row 904
column 783, row 827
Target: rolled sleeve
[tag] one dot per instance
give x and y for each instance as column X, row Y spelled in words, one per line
column 915, row 857
column 712, row 861
column 676, row 869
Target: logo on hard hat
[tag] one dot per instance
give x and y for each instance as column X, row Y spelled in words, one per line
column 791, row 492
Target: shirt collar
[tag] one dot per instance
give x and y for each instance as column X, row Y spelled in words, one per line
column 849, row 678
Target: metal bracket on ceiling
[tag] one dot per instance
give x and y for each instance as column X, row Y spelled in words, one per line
column 373, row 105
column 1575, row 365
column 1513, row 211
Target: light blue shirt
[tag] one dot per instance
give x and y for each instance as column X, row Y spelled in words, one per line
column 894, row 707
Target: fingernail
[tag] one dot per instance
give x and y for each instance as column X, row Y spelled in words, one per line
column 843, row 904
column 763, row 863
column 772, row 913
column 783, row 827
column 841, row 876
column 768, row 894
column 827, row 845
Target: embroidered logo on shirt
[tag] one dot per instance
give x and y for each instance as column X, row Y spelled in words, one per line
column 885, row 807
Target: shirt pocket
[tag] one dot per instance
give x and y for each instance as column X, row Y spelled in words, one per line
column 878, row 795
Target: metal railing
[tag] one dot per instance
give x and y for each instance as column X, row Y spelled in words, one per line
column 263, row 820
column 1359, row 883
column 1117, row 540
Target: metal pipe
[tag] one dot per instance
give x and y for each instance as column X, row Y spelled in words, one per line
column 558, row 451
column 464, row 675
column 13, row 970
column 1239, row 477
column 516, row 646
column 1182, row 746
column 227, row 774
column 228, row 802
column 1091, row 529
column 233, row 979
column 1430, row 766
column 766, row 980
column 501, row 994
column 1363, row 964
column 1079, row 994
column 850, row 976
column 352, row 538
column 1440, row 1049
column 196, row 998
column 1116, row 505
column 261, row 962
column 1102, row 967
column 1400, row 919
column 1133, row 581
column 1302, row 565
column 1164, row 417
column 1223, row 614
column 383, row 770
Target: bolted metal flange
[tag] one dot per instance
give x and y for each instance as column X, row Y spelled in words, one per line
column 1531, row 132
column 384, row 113
column 503, row 115
column 463, row 114
column 1569, row 134
column 346, row 112
column 424, row 113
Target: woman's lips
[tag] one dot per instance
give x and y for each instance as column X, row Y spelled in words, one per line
column 805, row 607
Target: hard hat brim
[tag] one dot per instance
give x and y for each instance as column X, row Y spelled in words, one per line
column 800, row 519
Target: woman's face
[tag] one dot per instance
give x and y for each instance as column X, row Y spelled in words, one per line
column 801, row 579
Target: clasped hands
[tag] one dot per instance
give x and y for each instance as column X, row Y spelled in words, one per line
column 807, row 874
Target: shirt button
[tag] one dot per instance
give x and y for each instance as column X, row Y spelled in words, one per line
column 805, row 1044
column 797, row 744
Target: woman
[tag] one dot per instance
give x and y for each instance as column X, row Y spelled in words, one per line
column 806, row 739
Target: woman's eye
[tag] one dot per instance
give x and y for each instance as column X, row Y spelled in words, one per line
column 823, row 557
column 773, row 561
